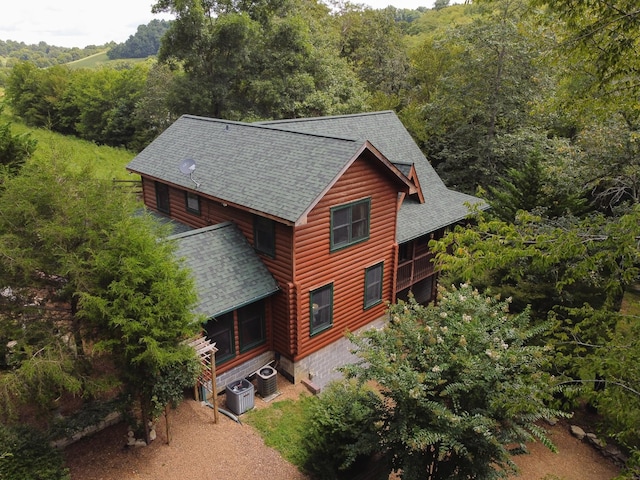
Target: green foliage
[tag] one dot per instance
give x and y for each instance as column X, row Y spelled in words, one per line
column 609, row 371
column 608, row 160
column 43, row 231
column 171, row 381
column 104, row 162
column 90, row 415
column 96, row 105
column 42, row 54
column 25, row 453
column 371, row 40
column 14, row 148
column 38, row 380
column 283, row 426
column 144, row 43
column 602, row 36
column 139, row 302
column 578, row 269
column 461, row 385
column 247, row 60
column 341, row 430
column 48, row 236
column 531, row 186
column 592, row 259
column 479, row 89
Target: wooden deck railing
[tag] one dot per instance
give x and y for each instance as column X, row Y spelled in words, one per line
column 412, row 271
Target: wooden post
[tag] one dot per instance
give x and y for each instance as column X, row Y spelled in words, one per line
column 205, row 349
column 214, row 388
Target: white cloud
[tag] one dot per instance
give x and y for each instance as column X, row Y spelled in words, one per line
column 73, row 23
column 78, row 23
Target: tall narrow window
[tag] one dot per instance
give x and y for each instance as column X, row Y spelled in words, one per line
column 193, row 202
column 264, row 235
column 220, row 330
column 321, row 301
column 162, row 197
column 350, row 224
column 373, row 285
column 251, row 326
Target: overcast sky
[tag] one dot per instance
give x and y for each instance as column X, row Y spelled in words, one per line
column 78, row 23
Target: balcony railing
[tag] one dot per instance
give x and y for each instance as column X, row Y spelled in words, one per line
column 412, row 271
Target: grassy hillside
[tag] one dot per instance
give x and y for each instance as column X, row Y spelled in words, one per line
column 100, row 60
column 107, row 162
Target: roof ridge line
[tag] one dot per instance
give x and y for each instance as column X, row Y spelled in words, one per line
column 267, row 127
column 328, row 117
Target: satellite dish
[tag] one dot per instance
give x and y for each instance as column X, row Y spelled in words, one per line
column 187, row 167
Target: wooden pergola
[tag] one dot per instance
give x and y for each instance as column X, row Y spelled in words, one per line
column 206, row 351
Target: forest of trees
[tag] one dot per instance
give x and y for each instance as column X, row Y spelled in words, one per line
column 144, row 43
column 531, row 104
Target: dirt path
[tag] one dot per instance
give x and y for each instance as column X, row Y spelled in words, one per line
column 203, row 450
column 575, row 460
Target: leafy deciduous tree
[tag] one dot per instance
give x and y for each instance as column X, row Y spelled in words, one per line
column 461, row 386
column 604, row 35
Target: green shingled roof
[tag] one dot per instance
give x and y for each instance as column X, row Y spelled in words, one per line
column 280, row 173
column 227, row 271
column 282, row 168
column 385, row 131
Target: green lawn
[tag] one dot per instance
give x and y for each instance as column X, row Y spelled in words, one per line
column 282, row 426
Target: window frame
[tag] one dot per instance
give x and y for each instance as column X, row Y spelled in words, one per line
column 372, row 303
column 316, row 328
column 187, row 195
column 256, row 311
column 349, row 225
column 162, row 197
column 227, row 322
column 267, row 227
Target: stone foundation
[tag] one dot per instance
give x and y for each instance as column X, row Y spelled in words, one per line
column 320, row 367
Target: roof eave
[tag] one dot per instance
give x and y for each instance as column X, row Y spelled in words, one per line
column 397, row 175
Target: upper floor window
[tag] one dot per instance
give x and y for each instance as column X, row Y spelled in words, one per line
column 220, row 330
column 162, row 197
column 321, row 301
column 264, row 235
column 251, row 326
column 350, row 223
column 373, row 285
column 193, row 202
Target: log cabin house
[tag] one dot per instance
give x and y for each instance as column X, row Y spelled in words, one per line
column 297, row 231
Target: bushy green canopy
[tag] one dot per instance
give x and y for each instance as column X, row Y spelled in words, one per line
column 462, row 384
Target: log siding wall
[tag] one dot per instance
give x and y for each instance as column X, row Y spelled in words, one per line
column 304, row 262
column 316, row 266
column 280, row 336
